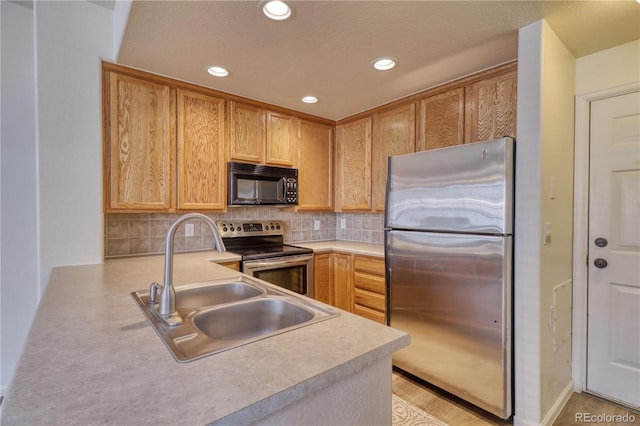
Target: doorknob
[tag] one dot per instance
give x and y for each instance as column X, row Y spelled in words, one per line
column 600, row 263
column 601, row 242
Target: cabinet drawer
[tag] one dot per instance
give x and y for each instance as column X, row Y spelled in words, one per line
column 369, row 299
column 369, row 282
column 371, row 265
column 369, row 313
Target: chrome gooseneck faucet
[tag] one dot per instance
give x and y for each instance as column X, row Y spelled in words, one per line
column 167, row 302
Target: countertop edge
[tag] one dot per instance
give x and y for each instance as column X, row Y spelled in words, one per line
column 314, row 384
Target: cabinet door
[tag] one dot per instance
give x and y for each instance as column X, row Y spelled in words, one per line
column 442, row 120
column 141, row 146
column 342, row 281
column 200, row 159
column 246, row 133
column 491, row 108
column 353, row 165
column 282, row 139
column 315, row 167
column 394, row 133
column 323, row 278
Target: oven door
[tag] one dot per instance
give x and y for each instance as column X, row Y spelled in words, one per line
column 295, row 273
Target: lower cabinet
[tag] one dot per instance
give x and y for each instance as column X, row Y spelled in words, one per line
column 369, row 288
column 342, row 281
column 323, row 278
column 352, row 282
column 231, row 265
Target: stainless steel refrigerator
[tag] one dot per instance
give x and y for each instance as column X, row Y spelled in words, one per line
column 448, row 253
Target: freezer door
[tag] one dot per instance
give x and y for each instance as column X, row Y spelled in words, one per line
column 452, row 294
column 466, row 188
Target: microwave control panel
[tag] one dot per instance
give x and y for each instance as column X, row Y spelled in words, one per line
column 291, row 191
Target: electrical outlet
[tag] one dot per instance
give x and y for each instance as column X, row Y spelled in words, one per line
column 343, row 223
column 189, row 229
column 316, row 225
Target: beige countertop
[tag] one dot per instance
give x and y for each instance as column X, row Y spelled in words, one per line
column 91, row 357
column 345, row 246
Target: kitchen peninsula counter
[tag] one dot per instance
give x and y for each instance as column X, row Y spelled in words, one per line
column 91, row 357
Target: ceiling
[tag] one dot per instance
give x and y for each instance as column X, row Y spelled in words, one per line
column 326, row 48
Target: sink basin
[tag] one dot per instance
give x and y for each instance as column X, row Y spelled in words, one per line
column 224, row 314
column 250, row 319
column 197, row 296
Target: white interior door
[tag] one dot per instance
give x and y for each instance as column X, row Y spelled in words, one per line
column 613, row 346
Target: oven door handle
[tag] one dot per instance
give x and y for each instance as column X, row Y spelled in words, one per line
column 285, row 261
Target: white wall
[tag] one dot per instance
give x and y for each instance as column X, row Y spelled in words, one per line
column 71, row 38
column 19, row 257
column 64, row 166
column 544, row 152
column 609, row 68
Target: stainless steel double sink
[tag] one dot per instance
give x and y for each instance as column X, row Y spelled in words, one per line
column 224, row 314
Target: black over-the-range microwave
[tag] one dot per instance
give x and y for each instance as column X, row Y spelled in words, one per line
column 252, row 184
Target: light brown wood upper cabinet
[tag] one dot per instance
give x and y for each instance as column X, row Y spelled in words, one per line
column 490, row 111
column 164, row 147
column 315, row 167
column 442, row 120
column 246, row 133
column 139, row 153
column 282, row 139
column 394, row 133
column 262, row 137
column 200, row 167
column 353, row 165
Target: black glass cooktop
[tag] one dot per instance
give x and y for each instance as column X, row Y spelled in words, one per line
column 264, row 252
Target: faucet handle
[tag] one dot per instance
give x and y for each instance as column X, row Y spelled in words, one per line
column 153, row 293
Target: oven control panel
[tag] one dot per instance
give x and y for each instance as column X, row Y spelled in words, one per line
column 239, row 228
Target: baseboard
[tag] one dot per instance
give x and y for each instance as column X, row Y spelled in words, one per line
column 557, row 407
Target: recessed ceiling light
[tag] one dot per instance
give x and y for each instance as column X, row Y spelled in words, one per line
column 384, row 64
column 276, row 9
column 309, row 99
column 217, row 71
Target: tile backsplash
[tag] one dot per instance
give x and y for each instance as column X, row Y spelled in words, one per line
column 134, row 234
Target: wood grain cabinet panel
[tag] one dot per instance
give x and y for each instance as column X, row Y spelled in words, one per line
column 324, row 290
column 200, row 156
column 369, row 294
column 231, row 265
column 342, row 281
column 282, row 139
column 491, row 108
column 442, row 120
column 353, row 166
column 315, row 167
column 140, row 150
column 246, row 133
column 394, row 133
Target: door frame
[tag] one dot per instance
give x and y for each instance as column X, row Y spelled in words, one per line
column 581, row 226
